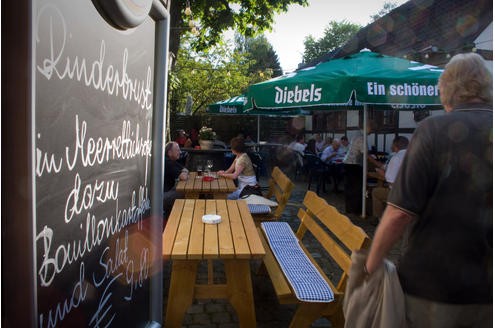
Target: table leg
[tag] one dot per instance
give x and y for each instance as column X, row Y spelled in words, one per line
column 181, row 292
column 210, row 272
column 240, row 291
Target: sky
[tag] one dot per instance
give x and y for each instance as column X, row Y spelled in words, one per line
column 290, row 28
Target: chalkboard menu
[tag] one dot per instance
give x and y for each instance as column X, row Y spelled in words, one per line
column 93, row 118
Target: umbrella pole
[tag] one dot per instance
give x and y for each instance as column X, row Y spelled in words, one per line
column 258, row 131
column 365, row 160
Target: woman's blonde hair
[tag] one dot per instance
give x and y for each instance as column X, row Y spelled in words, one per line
column 465, row 78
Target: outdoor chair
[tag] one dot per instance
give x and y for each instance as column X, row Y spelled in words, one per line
column 317, row 170
column 257, row 161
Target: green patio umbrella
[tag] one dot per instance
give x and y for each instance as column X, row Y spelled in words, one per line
column 351, row 82
column 234, row 105
column 362, row 78
column 238, row 105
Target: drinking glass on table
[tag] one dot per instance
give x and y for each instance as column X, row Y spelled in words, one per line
column 199, row 169
column 209, row 165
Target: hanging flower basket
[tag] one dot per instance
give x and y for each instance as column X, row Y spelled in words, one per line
column 206, row 133
column 206, row 137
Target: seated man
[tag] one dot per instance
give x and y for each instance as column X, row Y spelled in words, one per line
column 388, row 172
column 174, row 171
column 333, row 157
column 298, row 146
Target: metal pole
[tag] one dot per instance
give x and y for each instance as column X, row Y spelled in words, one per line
column 159, row 124
column 258, row 132
column 365, row 159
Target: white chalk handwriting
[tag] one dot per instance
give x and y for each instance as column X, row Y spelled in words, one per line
column 93, row 73
column 89, row 151
column 62, row 309
column 56, row 258
column 83, row 198
column 97, row 150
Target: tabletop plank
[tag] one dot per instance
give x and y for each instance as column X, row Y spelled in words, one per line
column 214, row 186
column 210, row 248
column 194, row 186
column 198, row 183
column 241, row 245
column 181, row 243
column 189, row 183
column 169, row 234
column 222, row 185
column 195, row 251
column 255, row 244
column 226, row 248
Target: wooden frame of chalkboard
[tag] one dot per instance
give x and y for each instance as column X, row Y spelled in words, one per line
column 82, row 179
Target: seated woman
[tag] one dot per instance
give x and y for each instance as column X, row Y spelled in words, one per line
column 241, row 168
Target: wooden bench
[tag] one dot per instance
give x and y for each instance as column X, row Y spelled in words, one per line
column 281, row 187
column 338, row 237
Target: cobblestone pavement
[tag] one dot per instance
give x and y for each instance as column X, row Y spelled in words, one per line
column 269, row 313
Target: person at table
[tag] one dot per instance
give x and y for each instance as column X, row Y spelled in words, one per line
column 311, row 147
column 332, row 153
column 327, row 143
column 320, row 142
column 344, row 144
column 388, row 173
column 194, row 138
column 353, row 171
column 241, row 168
column 442, row 202
column 298, row 144
column 333, row 157
column 182, row 138
column 174, row 171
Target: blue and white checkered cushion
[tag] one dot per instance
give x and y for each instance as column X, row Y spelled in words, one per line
column 305, row 279
column 259, row 209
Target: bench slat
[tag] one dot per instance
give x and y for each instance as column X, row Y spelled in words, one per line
column 340, row 225
column 338, row 254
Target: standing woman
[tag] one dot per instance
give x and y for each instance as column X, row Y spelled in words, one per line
column 241, row 169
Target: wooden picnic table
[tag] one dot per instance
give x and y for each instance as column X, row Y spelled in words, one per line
column 187, row 241
column 195, row 185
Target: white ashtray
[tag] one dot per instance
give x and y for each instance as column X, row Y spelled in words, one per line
column 211, row 219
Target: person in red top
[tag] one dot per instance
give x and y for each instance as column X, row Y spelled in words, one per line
column 181, row 138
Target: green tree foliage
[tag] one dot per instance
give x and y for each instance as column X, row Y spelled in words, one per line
column 335, row 36
column 264, row 59
column 208, row 76
column 247, row 17
column 387, row 7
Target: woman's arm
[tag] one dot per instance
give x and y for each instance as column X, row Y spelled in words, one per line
column 229, row 170
column 237, row 171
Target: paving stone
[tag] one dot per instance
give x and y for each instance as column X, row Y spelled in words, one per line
column 196, row 308
column 221, row 317
column 213, row 308
column 201, row 319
